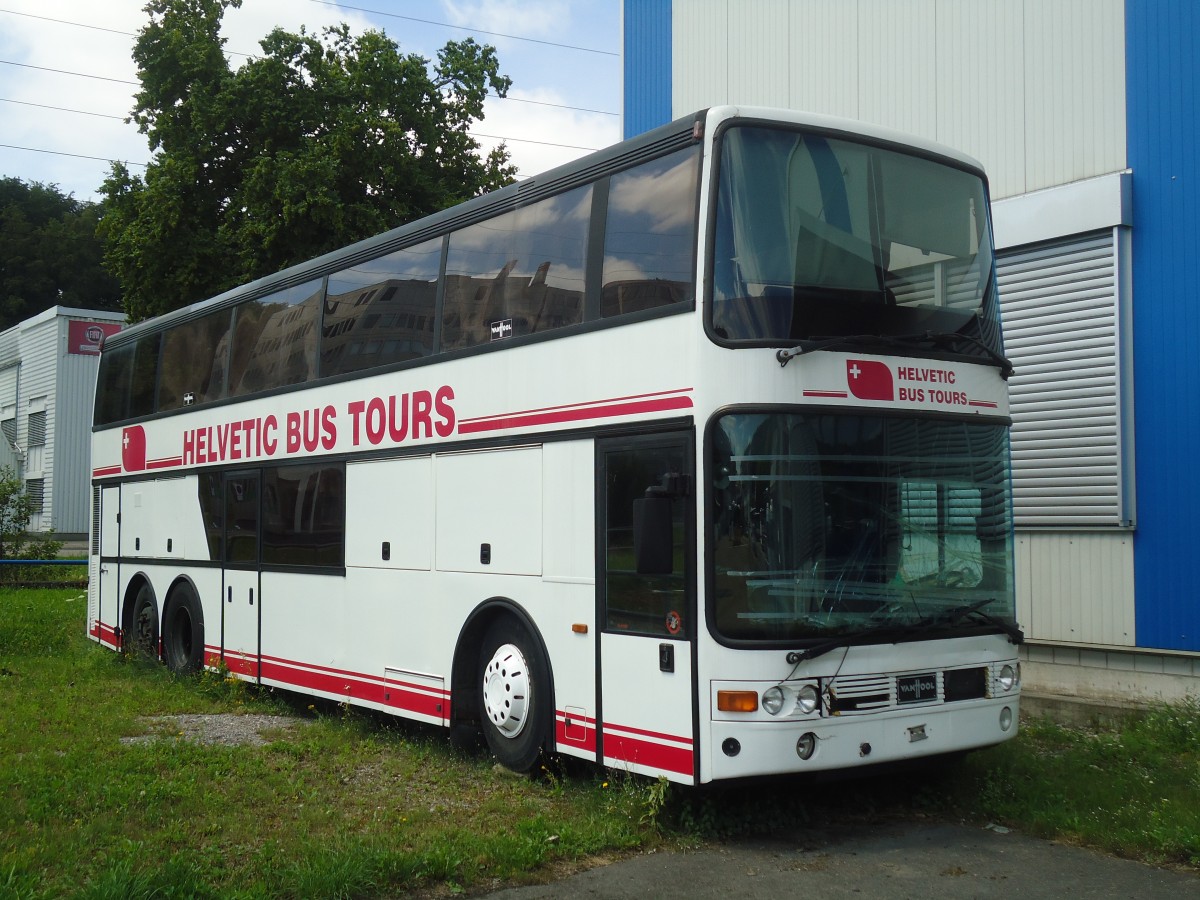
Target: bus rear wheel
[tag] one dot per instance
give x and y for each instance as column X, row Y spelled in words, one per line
column 514, row 695
column 183, row 633
column 141, row 637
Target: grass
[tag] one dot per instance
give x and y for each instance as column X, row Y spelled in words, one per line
column 353, row 805
column 1133, row 790
column 348, row 806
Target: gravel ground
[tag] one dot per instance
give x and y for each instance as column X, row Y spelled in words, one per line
column 226, row 729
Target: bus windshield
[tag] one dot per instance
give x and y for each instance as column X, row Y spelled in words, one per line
column 818, row 237
column 830, row 524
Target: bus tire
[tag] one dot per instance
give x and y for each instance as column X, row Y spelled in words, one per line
column 514, row 694
column 141, row 637
column 183, row 632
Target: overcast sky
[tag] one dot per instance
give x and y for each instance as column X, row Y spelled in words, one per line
column 559, row 53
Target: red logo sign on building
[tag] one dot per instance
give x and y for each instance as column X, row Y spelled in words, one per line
column 86, row 338
column 133, row 448
column 870, row 380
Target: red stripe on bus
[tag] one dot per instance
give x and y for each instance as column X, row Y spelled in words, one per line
column 984, row 403
column 657, row 735
column 837, row 394
column 241, row 665
column 357, row 687
column 105, row 471
column 584, row 405
column 583, row 730
column 574, row 414
column 346, row 673
column 584, row 740
column 165, row 463
column 647, row 753
column 105, row 634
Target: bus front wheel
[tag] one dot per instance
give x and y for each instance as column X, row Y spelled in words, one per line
column 514, row 695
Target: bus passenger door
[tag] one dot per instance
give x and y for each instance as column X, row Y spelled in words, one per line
column 646, row 607
column 241, row 603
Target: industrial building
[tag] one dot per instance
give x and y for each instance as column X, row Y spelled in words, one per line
column 47, row 380
column 1084, row 113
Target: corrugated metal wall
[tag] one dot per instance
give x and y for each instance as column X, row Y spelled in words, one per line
column 39, row 363
column 76, row 386
column 38, row 376
column 646, row 65
column 1164, row 98
column 1032, row 88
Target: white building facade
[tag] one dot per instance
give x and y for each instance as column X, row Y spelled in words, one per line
column 48, row 369
column 1084, row 114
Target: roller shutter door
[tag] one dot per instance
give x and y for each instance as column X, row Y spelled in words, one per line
column 1060, row 306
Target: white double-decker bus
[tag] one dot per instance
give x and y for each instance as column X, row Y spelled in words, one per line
column 690, row 458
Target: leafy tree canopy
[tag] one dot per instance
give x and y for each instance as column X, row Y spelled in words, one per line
column 49, row 253
column 321, row 141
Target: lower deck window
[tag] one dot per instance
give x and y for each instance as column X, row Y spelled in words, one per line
column 304, row 515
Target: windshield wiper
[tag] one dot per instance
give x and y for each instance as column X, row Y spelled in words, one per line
column 896, row 340
column 885, row 633
column 975, row 611
column 878, row 634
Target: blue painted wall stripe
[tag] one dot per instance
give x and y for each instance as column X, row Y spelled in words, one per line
column 1162, row 107
column 647, row 65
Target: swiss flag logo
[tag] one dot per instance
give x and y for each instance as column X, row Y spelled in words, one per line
column 869, row 380
column 133, row 448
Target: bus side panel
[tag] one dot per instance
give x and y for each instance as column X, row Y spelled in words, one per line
column 648, row 708
column 303, row 625
column 400, row 641
column 489, row 512
column 389, row 514
column 567, row 604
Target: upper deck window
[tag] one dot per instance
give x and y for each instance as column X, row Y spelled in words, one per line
column 520, row 273
column 126, row 383
column 381, row 311
column 650, row 235
column 193, row 361
column 820, row 237
column 275, row 339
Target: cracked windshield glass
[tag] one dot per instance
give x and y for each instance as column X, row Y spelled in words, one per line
column 826, row 524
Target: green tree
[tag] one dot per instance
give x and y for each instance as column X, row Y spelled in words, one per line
column 49, row 253
column 16, row 509
column 321, row 141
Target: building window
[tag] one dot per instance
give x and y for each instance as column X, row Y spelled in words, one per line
column 35, row 489
column 37, row 429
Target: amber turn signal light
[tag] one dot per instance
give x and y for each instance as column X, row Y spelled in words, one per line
column 737, row 701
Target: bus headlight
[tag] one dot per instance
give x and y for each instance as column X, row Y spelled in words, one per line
column 772, row 700
column 808, row 699
column 1007, row 678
